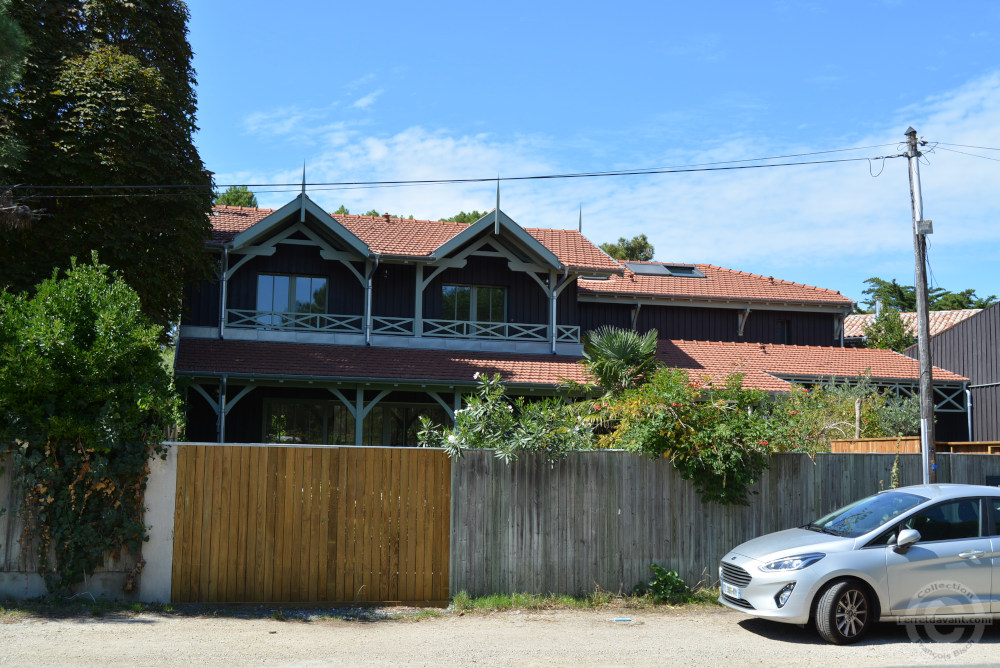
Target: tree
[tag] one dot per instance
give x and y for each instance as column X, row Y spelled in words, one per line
column 107, row 99
column 619, row 359
column 342, row 210
column 887, row 330
column 12, row 46
column 465, row 218
column 372, row 212
column 84, row 402
column 903, row 298
column 237, row 196
column 637, row 249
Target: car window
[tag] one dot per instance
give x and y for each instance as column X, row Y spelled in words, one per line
column 995, row 502
column 951, row 520
column 867, row 514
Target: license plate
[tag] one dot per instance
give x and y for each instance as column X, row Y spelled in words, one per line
column 731, row 591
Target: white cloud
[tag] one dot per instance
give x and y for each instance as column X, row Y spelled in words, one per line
column 367, row 100
column 831, row 225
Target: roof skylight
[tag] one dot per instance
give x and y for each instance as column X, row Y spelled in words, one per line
column 658, row 269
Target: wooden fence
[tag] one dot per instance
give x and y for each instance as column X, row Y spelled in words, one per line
column 599, row 519
column 285, row 524
column 911, row 444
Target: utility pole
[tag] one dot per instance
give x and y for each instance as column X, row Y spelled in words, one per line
column 921, row 228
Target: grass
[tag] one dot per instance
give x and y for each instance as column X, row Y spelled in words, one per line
column 11, row 611
column 462, row 602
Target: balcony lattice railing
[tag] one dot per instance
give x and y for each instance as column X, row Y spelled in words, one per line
column 384, row 325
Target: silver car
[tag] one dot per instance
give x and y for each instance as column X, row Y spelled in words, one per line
column 923, row 554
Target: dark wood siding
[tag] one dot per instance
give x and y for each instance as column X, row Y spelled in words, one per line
column 201, row 304
column 393, row 289
column 346, row 294
column 526, row 303
column 972, row 348
column 713, row 324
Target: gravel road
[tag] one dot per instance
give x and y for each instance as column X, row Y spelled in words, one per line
column 694, row 636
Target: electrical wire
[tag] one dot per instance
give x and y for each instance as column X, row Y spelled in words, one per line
column 338, row 185
column 984, row 148
column 974, row 155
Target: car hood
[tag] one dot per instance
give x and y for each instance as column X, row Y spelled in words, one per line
column 792, row 541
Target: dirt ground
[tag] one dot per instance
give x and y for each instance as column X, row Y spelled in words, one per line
column 693, row 636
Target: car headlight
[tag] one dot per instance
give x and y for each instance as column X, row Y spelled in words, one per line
column 794, row 563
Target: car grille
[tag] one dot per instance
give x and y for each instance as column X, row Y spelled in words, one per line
column 735, row 575
column 738, row 601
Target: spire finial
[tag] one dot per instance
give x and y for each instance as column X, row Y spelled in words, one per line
column 302, row 197
column 303, row 177
column 496, row 218
column 579, row 224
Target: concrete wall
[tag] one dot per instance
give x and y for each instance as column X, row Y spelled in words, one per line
column 19, row 579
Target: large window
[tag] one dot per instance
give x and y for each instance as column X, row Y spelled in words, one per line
column 477, row 303
column 280, row 294
column 398, row 424
column 307, row 421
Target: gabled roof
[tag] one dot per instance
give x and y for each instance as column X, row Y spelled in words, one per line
column 425, row 238
column 369, row 363
column 939, row 321
column 765, row 365
column 295, row 209
column 718, row 283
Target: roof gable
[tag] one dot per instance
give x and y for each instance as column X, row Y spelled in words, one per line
column 501, row 223
column 303, row 208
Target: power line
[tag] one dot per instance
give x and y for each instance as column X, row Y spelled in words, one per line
column 974, row 155
column 984, row 148
column 345, row 185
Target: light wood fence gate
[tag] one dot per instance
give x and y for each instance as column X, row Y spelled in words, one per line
column 296, row 524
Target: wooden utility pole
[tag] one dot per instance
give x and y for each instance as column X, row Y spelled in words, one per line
column 921, row 228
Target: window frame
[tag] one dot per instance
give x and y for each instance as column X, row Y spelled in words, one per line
column 292, row 288
column 474, row 289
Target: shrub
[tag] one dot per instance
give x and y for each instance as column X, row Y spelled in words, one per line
column 84, row 401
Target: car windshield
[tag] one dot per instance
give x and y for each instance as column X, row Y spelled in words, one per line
column 867, row 514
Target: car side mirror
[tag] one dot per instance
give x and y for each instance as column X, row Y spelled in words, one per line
column 906, row 538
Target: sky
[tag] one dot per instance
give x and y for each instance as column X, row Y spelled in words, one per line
column 389, row 91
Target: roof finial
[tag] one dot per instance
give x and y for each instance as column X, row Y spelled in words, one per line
column 579, row 225
column 302, row 197
column 496, row 218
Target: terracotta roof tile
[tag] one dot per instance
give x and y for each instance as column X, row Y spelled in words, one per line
column 764, row 364
column 400, row 236
column 374, row 363
column 575, row 250
column 939, row 321
column 228, row 221
column 718, row 282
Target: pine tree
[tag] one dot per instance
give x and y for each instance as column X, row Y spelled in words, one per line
column 107, row 98
column 237, row 196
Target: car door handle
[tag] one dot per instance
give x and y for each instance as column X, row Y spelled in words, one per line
column 971, row 554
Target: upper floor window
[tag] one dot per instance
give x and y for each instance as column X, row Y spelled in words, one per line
column 278, row 293
column 474, row 303
column 782, row 331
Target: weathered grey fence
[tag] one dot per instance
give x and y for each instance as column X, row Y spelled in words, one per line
column 599, row 519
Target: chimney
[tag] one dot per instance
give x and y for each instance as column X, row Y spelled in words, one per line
column 386, row 216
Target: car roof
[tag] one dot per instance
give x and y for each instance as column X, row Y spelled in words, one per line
column 949, row 490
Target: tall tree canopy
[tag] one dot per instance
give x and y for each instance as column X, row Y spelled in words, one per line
column 903, row 298
column 107, row 98
column 465, row 218
column 237, row 196
column 12, row 46
column 637, row 248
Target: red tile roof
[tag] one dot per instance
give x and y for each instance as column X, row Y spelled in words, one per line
column 718, row 283
column 369, row 363
column 228, row 221
column 574, row 250
column 939, row 321
column 402, row 236
column 764, row 363
column 761, row 364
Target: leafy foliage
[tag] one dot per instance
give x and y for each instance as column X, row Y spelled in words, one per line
column 491, row 420
column 342, row 210
column 619, row 359
column 903, row 298
column 666, row 586
column 637, row 249
column 237, row 196
column 12, row 46
column 84, row 401
column 889, row 331
column 466, row 218
column 107, row 98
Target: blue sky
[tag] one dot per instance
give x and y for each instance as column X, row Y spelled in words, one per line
column 365, row 91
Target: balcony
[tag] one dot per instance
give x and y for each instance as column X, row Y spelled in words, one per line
column 381, row 325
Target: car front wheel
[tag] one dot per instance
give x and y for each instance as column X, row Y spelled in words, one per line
column 844, row 613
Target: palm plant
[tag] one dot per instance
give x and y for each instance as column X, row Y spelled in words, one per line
column 619, row 359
